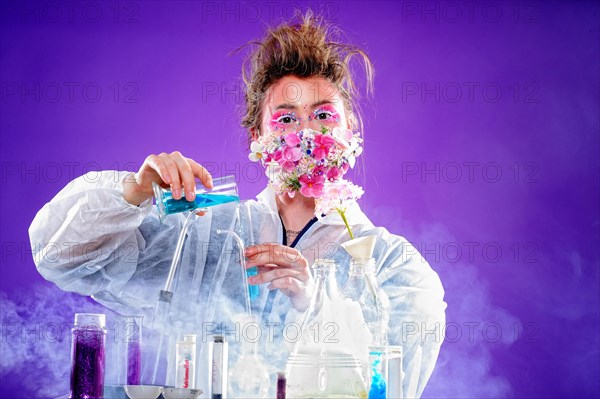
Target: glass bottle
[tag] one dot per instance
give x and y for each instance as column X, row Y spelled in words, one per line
column 363, row 289
column 88, row 356
column 185, row 363
column 224, row 191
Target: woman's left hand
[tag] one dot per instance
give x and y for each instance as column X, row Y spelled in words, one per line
column 284, row 268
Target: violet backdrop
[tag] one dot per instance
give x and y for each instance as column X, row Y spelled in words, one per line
column 482, row 149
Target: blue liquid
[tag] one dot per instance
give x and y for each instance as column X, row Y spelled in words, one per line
column 253, row 290
column 201, row 201
column 378, row 383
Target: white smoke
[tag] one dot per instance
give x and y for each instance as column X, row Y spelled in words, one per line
column 35, row 342
column 474, row 323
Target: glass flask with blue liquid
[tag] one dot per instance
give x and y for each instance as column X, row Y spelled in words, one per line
column 224, row 191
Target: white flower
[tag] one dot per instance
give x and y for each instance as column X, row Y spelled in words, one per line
column 342, row 135
column 256, row 150
column 351, row 161
column 357, row 150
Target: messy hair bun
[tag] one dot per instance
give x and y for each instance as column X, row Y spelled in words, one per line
column 307, row 48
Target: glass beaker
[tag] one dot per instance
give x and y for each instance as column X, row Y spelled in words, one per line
column 224, row 191
column 88, row 356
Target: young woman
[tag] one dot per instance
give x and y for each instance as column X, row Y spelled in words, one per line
column 102, row 236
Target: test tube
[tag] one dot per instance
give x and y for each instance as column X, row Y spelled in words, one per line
column 218, row 357
column 281, row 381
column 133, row 338
column 394, row 371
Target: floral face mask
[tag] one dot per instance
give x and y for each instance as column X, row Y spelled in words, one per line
column 312, row 163
column 305, row 160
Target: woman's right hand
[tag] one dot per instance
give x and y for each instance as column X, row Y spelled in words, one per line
column 167, row 170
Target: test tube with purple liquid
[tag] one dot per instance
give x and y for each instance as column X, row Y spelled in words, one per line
column 133, row 337
column 88, row 356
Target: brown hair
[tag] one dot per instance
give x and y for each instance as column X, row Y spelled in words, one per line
column 308, row 48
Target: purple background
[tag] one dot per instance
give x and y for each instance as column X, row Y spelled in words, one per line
column 482, row 148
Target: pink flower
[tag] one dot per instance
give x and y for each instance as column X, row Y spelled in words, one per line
column 334, row 173
column 277, row 155
column 289, row 158
column 311, row 186
column 292, row 154
column 292, row 139
column 323, row 144
column 319, row 170
column 337, row 196
column 345, row 168
column 287, row 166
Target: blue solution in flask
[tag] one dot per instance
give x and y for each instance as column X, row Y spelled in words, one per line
column 172, row 205
column 224, row 191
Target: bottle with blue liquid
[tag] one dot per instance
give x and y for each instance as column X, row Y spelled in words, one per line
column 224, row 191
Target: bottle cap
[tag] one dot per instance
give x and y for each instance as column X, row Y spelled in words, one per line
column 361, row 247
column 90, row 320
column 189, row 338
column 219, row 338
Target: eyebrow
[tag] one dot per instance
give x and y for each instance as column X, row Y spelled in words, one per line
column 293, row 106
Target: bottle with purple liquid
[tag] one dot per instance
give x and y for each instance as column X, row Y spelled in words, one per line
column 88, row 356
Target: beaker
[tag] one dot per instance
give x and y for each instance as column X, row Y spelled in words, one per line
column 224, row 191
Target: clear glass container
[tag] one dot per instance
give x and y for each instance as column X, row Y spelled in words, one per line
column 88, row 356
column 248, row 376
column 363, row 289
column 394, row 373
column 323, row 363
column 224, row 191
column 330, row 376
column 133, row 339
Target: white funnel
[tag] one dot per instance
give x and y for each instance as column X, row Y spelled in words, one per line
column 361, row 247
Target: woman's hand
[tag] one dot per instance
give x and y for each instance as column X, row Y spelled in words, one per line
column 285, row 269
column 166, row 170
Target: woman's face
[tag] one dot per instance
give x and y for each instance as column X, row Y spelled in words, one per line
column 292, row 104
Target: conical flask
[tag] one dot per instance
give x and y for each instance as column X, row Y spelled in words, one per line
column 323, row 363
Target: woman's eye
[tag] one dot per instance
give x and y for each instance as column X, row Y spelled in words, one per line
column 323, row 115
column 286, row 119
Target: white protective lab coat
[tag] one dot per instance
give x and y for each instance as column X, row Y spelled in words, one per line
column 89, row 240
